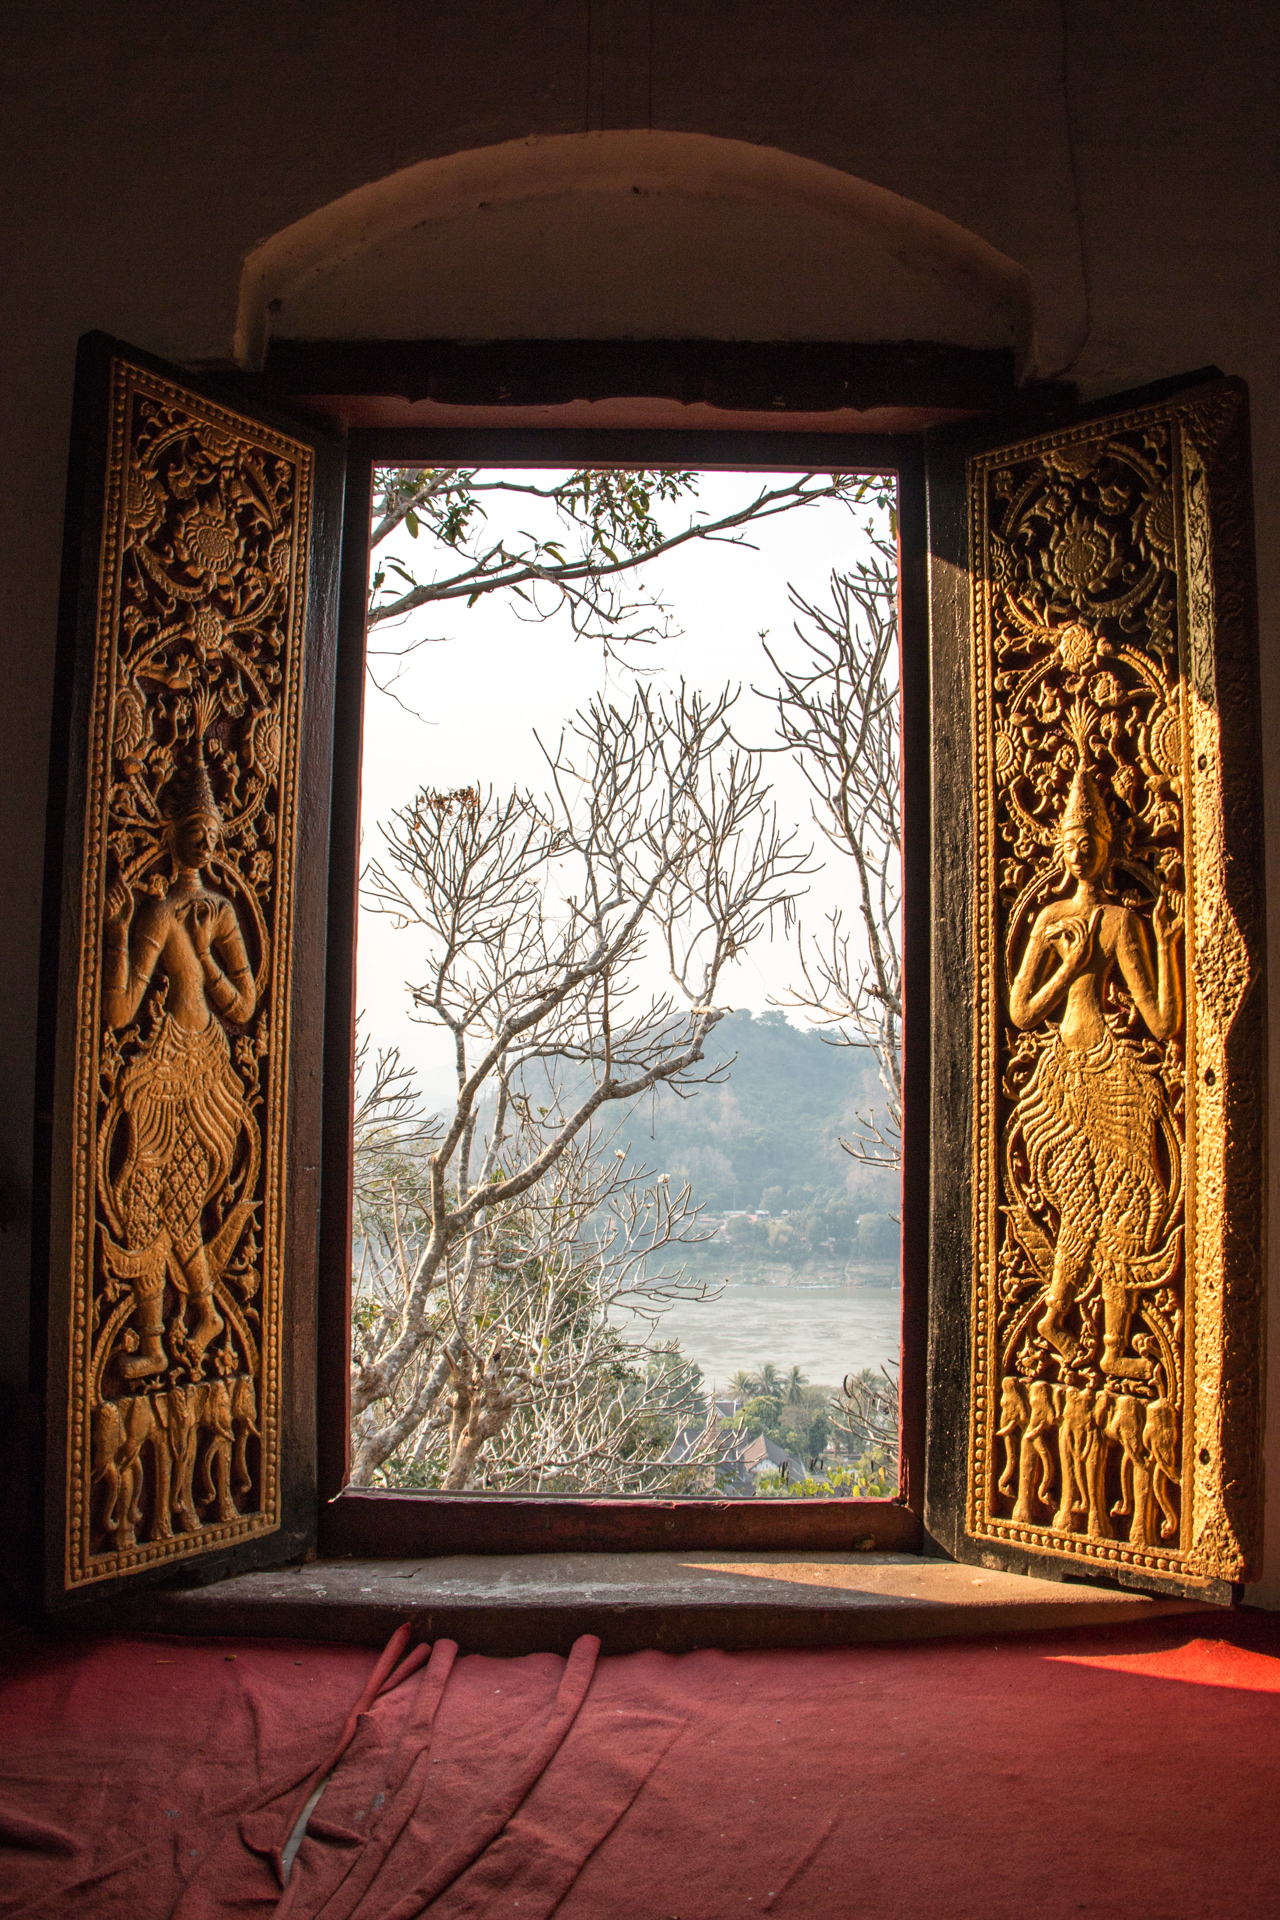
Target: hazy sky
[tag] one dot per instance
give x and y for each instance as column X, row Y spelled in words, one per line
column 497, row 678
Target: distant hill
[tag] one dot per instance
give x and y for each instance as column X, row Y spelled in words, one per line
column 770, row 1136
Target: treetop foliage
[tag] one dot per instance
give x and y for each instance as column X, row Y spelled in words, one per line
column 603, row 525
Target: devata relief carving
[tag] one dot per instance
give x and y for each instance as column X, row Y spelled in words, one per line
column 1116, row 1324
column 183, row 1003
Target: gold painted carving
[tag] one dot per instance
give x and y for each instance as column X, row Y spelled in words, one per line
column 1109, row 1293
column 182, row 1036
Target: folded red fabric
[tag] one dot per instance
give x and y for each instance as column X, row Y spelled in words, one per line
column 411, row 1807
column 1064, row 1775
column 449, row 1784
column 126, row 1763
column 406, row 1814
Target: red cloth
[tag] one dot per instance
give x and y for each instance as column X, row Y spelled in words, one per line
column 1130, row 1771
column 124, row 1761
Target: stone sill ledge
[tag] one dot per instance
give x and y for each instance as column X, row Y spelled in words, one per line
column 523, row 1603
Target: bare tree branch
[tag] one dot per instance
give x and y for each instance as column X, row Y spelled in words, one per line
column 865, row 1412
column 839, row 713
column 503, row 1241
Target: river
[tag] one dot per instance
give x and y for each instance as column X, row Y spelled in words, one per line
column 826, row 1331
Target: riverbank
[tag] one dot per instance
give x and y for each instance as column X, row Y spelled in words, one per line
column 880, row 1275
column 827, row 1330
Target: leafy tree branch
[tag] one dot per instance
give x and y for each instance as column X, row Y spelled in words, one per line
column 606, row 529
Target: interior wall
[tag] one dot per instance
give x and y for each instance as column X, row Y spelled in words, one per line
column 640, row 233
column 1125, row 157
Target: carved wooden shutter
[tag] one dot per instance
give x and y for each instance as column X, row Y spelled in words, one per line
column 1100, row 1022
column 182, row 963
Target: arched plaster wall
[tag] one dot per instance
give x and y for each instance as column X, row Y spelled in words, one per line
column 631, row 234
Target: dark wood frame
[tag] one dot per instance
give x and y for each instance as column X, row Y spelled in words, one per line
column 386, row 1524
column 911, row 387
column 936, row 848
column 774, row 376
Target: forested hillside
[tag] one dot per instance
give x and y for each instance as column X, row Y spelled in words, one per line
column 769, row 1137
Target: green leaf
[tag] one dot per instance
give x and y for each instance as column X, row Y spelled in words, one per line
column 411, row 521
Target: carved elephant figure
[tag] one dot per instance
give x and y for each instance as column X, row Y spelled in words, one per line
column 225, row 1412
column 1161, row 1437
column 1147, row 1433
column 221, row 1413
column 1082, row 1457
column 1028, row 1415
column 244, row 1422
column 1125, row 1424
column 1013, row 1419
column 121, row 1428
column 183, row 1411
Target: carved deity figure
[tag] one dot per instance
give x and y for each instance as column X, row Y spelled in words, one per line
column 182, row 1102
column 1095, row 1117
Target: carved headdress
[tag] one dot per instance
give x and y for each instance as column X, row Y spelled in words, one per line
column 190, row 790
column 1085, row 805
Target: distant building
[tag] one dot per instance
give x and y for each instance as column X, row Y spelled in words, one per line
column 763, row 1455
column 685, row 1443
column 739, row 1461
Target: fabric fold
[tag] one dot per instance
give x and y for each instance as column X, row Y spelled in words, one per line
column 127, row 1766
column 570, row 1812
column 369, row 1797
column 264, row 1830
column 460, row 1771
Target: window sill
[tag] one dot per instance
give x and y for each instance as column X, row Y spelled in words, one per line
column 374, row 1525
column 541, row 1602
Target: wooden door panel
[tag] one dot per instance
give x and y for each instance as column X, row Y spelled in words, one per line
column 182, row 1190
column 1106, row 999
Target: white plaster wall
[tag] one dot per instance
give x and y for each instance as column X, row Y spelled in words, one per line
column 634, row 234
column 652, row 268
column 1125, row 157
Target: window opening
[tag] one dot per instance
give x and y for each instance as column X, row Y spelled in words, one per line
column 628, row 1103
